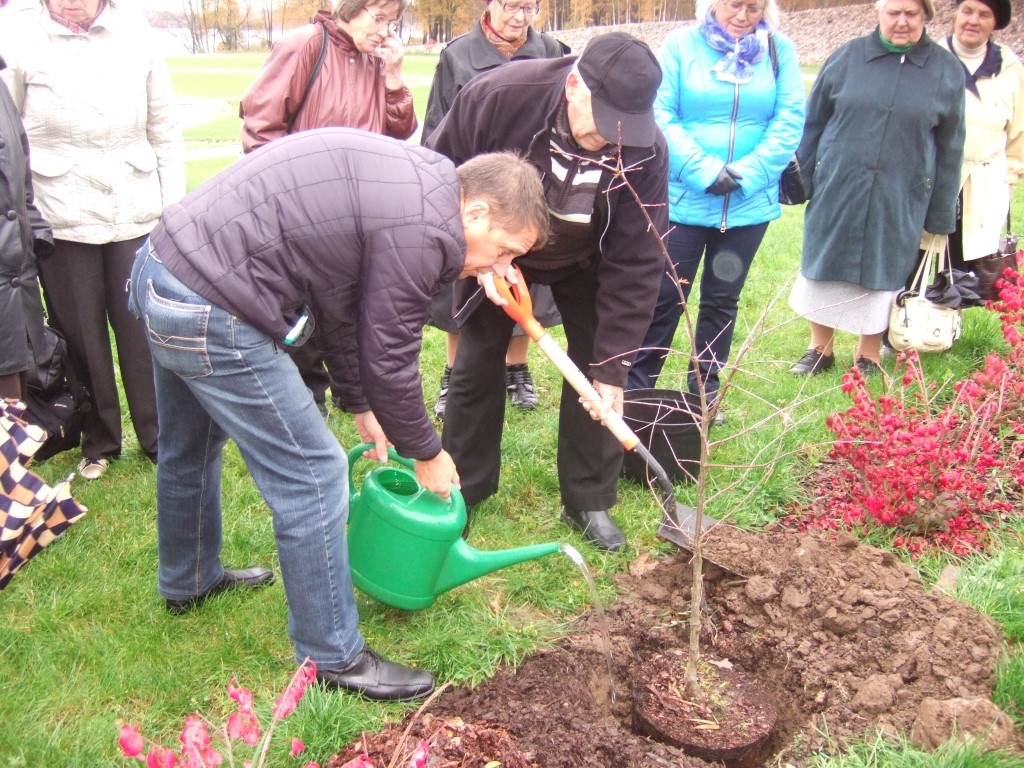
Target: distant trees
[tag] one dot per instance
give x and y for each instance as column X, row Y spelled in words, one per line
column 238, row 24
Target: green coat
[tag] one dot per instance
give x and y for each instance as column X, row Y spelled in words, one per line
column 881, row 151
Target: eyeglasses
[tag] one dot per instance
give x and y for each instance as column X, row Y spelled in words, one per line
column 514, row 8
column 382, row 21
column 735, row 8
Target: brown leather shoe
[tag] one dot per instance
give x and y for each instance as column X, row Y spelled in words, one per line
column 378, row 679
column 253, row 578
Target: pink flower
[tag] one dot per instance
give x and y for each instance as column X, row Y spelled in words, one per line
column 243, row 725
column 130, row 741
column 161, row 757
column 297, row 747
column 242, row 695
column 292, row 695
column 419, row 757
column 194, row 734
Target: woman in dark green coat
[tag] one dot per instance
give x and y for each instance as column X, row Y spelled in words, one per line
column 881, row 149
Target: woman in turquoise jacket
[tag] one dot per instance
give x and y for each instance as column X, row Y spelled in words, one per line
column 731, row 106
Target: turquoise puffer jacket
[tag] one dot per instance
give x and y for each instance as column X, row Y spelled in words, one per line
column 755, row 127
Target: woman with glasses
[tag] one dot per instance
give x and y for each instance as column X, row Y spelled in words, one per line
column 342, row 71
column 881, row 156
column 503, row 34
column 731, row 106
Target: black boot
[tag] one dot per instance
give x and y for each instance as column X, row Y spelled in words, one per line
column 596, row 527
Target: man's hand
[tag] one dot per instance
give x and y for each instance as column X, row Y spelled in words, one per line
column 438, row 474
column 611, row 400
column 486, row 281
column 371, row 432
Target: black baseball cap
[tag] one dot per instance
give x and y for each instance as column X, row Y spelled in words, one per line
column 623, row 77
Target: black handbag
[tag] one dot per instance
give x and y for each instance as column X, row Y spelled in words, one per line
column 47, row 347
column 990, row 269
column 791, row 183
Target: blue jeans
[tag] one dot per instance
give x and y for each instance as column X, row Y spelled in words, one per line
column 728, row 256
column 219, row 378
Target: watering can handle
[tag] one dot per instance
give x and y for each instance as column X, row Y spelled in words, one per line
column 357, row 453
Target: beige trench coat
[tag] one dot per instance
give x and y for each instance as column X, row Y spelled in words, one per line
column 993, row 155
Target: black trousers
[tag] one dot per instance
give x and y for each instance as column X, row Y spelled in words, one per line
column 589, row 456
column 85, row 286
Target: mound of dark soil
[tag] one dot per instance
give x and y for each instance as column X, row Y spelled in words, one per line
column 843, row 636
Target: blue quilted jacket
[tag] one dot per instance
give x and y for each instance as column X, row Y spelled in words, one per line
column 755, row 127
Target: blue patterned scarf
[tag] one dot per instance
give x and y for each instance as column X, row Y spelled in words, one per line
column 737, row 66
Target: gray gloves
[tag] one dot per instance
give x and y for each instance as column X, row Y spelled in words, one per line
column 725, row 183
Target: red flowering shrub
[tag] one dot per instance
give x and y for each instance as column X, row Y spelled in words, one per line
column 934, row 468
column 198, row 751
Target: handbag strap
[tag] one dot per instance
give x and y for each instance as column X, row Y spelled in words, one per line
column 312, row 78
column 774, row 54
column 933, row 255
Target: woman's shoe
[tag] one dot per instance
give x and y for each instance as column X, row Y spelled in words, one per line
column 93, row 469
column 813, row 362
column 868, row 367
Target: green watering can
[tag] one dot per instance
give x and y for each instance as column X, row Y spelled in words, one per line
column 405, row 543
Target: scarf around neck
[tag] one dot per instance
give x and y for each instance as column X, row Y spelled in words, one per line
column 77, row 27
column 505, row 47
column 737, row 65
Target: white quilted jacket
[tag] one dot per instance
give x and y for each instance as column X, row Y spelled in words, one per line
column 101, row 119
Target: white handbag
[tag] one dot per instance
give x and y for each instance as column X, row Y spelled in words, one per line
column 914, row 321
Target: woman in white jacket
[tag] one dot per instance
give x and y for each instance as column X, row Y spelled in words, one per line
column 994, row 147
column 107, row 156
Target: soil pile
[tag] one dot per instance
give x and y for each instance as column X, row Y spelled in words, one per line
column 844, row 637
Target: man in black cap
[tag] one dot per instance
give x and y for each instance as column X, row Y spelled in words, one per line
column 577, row 120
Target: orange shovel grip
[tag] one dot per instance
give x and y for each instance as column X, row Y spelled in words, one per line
column 520, row 305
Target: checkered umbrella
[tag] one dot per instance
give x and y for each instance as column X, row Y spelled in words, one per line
column 32, row 514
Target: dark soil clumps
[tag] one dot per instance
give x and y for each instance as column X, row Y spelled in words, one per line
column 844, row 637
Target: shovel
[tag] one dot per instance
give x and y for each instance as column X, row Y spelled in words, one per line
column 679, row 523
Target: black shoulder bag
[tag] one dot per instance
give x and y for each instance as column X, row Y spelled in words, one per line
column 791, row 183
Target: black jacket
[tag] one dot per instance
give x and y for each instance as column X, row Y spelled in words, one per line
column 359, row 228
column 514, row 108
column 24, row 234
column 467, row 56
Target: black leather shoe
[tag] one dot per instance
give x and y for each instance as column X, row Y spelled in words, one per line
column 813, row 362
column 379, row 679
column 248, row 577
column 596, row 527
column 869, row 368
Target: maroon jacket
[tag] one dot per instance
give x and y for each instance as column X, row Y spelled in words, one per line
column 348, row 92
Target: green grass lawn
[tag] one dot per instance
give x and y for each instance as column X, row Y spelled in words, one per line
column 85, row 643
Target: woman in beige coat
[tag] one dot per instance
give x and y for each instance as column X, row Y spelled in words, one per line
column 107, row 156
column 994, row 147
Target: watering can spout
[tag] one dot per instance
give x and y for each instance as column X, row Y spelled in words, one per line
column 464, row 563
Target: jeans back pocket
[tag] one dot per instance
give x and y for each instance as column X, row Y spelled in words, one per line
column 177, row 333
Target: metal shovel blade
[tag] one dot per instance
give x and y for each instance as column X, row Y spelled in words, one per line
column 680, row 525
column 679, row 522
